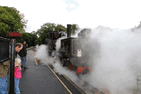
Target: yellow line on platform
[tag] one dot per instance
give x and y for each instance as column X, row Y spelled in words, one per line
column 35, row 60
column 60, row 80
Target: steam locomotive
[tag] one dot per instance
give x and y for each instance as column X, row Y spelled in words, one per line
column 74, row 51
column 51, row 38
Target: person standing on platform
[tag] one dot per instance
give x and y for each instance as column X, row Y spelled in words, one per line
column 17, row 75
column 22, row 55
column 25, row 51
column 4, row 69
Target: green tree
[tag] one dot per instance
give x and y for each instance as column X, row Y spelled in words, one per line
column 60, row 27
column 74, row 27
column 50, row 26
column 30, row 38
column 43, row 30
column 11, row 20
column 34, row 36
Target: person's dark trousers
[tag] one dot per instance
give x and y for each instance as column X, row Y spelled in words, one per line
column 23, row 62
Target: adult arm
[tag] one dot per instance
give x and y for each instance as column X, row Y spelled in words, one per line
column 4, row 68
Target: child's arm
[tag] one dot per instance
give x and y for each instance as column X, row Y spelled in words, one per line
column 20, row 66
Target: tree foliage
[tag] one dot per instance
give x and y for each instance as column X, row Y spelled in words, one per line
column 11, row 20
column 50, row 27
column 30, row 38
column 74, row 27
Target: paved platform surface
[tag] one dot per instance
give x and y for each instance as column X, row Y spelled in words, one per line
column 39, row 79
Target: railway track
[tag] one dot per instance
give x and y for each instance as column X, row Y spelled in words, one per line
column 93, row 90
column 88, row 89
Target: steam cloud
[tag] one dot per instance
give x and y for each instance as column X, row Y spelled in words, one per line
column 116, row 60
column 116, row 69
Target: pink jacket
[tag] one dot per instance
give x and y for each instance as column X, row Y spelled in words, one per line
column 17, row 73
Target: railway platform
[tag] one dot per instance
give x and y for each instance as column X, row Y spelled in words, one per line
column 40, row 79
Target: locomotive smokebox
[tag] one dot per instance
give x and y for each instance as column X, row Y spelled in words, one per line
column 68, row 30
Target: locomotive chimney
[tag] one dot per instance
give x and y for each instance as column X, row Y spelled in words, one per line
column 68, row 30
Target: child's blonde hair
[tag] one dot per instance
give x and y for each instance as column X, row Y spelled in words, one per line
column 17, row 61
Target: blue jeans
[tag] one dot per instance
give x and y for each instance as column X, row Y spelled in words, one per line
column 17, row 90
column 3, row 85
column 23, row 61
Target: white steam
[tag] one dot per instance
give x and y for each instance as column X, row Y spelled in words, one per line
column 58, row 42
column 116, row 68
column 42, row 54
column 120, row 57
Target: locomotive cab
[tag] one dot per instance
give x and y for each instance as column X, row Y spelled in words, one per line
column 71, row 47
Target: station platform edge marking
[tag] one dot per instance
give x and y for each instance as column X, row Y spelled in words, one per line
column 60, row 80
column 35, row 60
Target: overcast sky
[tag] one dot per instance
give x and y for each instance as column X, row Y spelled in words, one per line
column 122, row 14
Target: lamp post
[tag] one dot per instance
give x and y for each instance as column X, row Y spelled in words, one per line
column 13, row 36
column 12, row 60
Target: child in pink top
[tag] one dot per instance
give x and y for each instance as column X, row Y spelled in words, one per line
column 17, row 74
